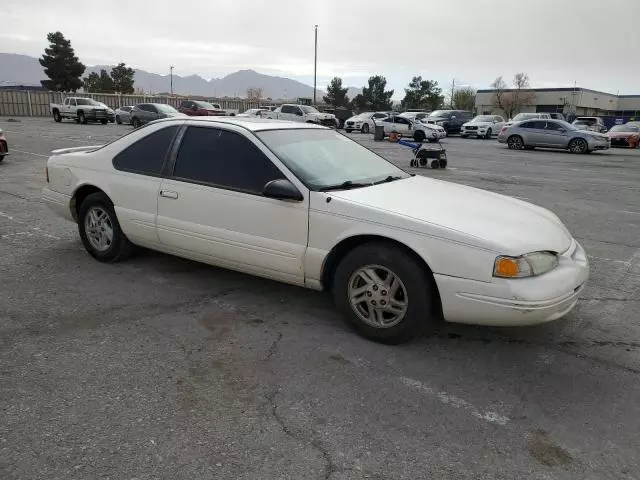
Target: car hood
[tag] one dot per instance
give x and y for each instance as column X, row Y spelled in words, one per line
column 460, row 213
column 478, row 124
column 322, row 116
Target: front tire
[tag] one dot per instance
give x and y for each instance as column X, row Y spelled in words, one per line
column 118, row 120
column 104, row 121
column 515, row 142
column 56, row 116
column 365, row 128
column 488, row 135
column 463, row 135
column 419, row 136
column 381, row 290
column 82, row 119
column 135, row 122
column 578, row 145
column 348, row 130
column 100, row 231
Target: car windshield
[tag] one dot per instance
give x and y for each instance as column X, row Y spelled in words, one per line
column 307, row 109
column 525, row 116
column 165, row 108
column 483, row 118
column 87, row 101
column 625, row 128
column 322, row 158
column 205, row 105
column 440, row 113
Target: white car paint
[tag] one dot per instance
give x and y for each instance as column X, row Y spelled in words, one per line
column 408, row 128
column 358, row 122
column 290, row 241
column 481, row 125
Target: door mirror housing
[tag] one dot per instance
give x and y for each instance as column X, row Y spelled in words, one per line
column 282, row 189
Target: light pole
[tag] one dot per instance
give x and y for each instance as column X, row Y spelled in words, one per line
column 171, row 78
column 315, row 63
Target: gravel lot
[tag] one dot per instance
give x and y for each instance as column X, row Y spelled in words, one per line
column 161, row 368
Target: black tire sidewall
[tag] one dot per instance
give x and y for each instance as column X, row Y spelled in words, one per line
column 419, row 136
column 415, row 279
column 365, row 128
column 120, row 247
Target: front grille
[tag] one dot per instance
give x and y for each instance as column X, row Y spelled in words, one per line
column 471, row 128
column 100, row 113
column 349, row 123
column 619, row 142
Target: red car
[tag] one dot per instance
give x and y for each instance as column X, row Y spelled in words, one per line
column 197, row 108
column 4, row 146
column 626, row 136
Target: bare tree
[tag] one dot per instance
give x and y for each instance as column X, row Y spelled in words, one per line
column 254, row 94
column 512, row 100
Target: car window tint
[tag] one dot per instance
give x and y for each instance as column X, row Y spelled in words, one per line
column 147, row 155
column 527, row 125
column 553, row 126
column 538, row 124
column 225, row 159
column 287, row 109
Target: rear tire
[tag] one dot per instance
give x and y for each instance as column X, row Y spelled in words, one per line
column 100, row 231
column 118, row 120
column 384, row 293
column 365, row 128
column 2, row 158
column 515, row 142
column 82, row 119
column 135, row 122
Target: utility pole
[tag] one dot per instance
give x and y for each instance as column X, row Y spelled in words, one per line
column 315, row 63
column 171, row 76
column 453, row 87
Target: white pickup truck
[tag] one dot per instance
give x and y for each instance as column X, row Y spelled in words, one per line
column 302, row 113
column 82, row 110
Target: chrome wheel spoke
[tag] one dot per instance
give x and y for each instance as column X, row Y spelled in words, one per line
column 379, row 316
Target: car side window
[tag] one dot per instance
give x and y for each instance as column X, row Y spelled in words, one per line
column 147, row 155
column 224, row 159
column 152, row 108
column 72, row 102
column 538, row 124
column 288, row 109
column 379, row 115
column 184, row 104
column 527, row 125
column 552, row 126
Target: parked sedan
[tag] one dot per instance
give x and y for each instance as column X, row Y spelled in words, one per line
column 148, row 112
column 527, row 116
column 595, row 124
column 364, row 122
column 305, row 205
column 4, row 146
column 482, row 126
column 627, row 136
column 552, row 134
column 123, row 115
column 420, row 131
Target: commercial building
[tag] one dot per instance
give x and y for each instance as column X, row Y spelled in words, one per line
column 571, row 102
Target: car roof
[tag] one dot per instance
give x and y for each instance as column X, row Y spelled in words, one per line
column 248, row 123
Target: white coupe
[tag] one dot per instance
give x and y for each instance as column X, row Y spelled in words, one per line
column 303, row 204
column 364, row 122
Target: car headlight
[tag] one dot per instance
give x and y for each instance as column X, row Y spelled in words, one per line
column 529, row 265
column 440, row 123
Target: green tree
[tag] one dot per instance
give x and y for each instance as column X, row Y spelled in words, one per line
column 106, row 82
column 424, row 94
column 122, row 79
column 374, row 97
column 61, row 65
column 92, row 82
column 336, row 95
column 464, row 99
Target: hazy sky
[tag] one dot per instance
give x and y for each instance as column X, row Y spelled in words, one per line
column 593, row 42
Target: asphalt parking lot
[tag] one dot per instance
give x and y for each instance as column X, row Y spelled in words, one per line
column 162, row 368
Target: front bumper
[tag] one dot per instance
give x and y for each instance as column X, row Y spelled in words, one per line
column 58, row 203
column 478, row 131
column 516, row 302
column 598, row 144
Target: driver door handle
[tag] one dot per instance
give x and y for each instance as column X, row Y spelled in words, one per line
column 169, row 194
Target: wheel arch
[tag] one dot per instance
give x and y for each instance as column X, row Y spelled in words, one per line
column 341, row 249
column 82, row 192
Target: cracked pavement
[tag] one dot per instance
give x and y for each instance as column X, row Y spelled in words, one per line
column 162, row 368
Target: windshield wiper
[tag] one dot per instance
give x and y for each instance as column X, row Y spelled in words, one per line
column 390, row 178
column 344, row 186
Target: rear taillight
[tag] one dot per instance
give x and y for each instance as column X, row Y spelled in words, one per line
column 46, row 171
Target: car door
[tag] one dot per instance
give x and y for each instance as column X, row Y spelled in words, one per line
column 535, row 133
column 134, row 190
column 555, row 135
column 71, row 106
column 289, row 112
column 387, row 124
column 498, row 124
column 403, row 125
column 211, row 206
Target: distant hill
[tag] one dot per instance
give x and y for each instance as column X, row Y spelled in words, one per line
column 25, row 70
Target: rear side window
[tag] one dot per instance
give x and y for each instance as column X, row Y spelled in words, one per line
column 147, row 155
column 288, row 109
column 223, row 159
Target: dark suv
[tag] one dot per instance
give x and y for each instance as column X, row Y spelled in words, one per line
column 450, row 120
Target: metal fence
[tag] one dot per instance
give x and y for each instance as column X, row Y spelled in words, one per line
column 36, row 103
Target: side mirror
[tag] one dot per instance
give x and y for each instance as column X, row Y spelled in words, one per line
column 282, row 189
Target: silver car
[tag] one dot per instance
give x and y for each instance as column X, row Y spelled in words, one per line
column 548, row 133
column 148, row 112
column 123, row 115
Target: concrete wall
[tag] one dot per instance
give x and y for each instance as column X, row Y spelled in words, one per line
column 36, row 104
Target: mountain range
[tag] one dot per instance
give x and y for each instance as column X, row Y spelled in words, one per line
column 25, row 70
